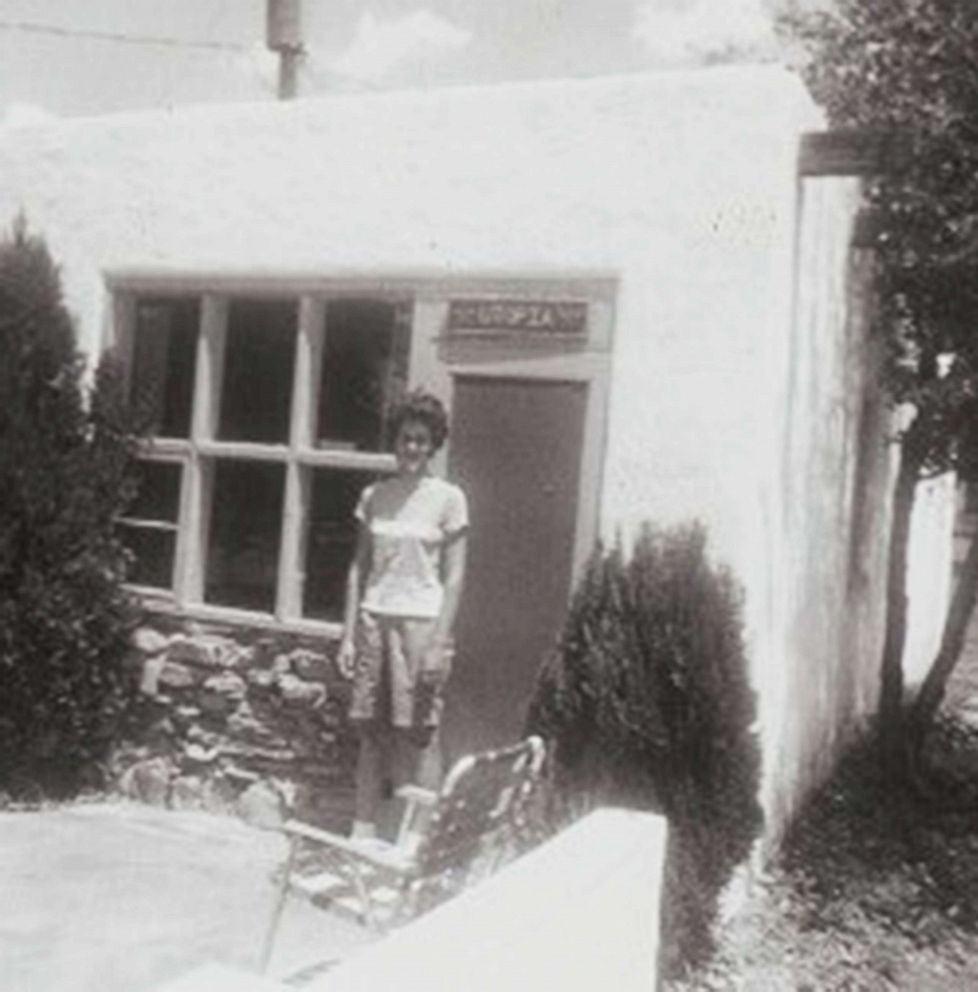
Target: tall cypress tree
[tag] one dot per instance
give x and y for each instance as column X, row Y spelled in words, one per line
column 64, row 477
column 646, row 702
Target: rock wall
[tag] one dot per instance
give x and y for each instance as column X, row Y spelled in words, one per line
column 238, row 720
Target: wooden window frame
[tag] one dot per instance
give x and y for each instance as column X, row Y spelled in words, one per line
column 198, row 453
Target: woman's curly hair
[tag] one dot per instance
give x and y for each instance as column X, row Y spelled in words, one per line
column 425, row 408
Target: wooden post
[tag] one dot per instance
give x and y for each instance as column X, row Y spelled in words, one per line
column 284, row 36
column 288, row 72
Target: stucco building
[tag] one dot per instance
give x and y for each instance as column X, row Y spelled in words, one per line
column 635, row 304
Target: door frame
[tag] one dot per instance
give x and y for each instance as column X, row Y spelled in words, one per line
column 436, row 361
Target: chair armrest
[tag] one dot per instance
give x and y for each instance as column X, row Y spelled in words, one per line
column 374, row 853
column 296, row 828
column 415, row 794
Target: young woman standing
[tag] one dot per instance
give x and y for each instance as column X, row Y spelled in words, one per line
column 403, row 593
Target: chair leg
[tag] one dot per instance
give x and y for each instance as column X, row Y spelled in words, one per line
column 363, row 894
column 283, row 891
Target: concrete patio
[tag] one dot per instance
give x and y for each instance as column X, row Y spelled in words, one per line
column 121, row 898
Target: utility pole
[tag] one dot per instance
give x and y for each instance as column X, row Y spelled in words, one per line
column 284, row 37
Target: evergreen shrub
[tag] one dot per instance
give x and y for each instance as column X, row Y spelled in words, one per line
column 646, row 702
column 65, row 460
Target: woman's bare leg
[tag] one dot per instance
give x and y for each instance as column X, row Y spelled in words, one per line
column 370, row 774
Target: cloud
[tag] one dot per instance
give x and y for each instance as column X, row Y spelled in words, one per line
column 378, row 46
column 684, row 30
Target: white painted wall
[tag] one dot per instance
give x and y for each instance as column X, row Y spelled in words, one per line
column 831, row 519
column 931, row 569
column 680, row 184
column 829, row 525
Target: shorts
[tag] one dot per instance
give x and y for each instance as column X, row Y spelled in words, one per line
column 389, row 688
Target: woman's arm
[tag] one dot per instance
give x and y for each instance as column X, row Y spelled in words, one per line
column 355, row 579
column 453, row 580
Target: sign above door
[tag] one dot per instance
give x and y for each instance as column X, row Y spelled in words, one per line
column 491, row 318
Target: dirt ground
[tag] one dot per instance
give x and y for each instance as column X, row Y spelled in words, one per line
column 876, row 887
column 120, row 898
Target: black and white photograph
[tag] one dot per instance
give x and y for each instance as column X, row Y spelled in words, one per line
column 488, row 495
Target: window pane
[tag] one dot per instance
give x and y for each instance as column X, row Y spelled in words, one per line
column 153, row 549
column 164, row 360
column 331, row 539
column 365, row 360
column 245, row 530
column 256, row 394
column 158, row 496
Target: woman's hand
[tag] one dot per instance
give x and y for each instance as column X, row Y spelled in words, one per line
column 434, row 661
column 346, row 657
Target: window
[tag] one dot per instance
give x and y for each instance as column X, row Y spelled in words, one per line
column 150, row 528
column 270, row 414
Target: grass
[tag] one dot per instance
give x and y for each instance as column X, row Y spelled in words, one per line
column 876, row 887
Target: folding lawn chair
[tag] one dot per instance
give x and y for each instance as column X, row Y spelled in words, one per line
column 447, row 840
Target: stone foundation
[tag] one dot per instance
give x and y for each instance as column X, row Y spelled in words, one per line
column 235, row 720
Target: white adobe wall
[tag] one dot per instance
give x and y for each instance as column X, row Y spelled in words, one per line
column 830, row 527
column 829, row 535
column 679, row 183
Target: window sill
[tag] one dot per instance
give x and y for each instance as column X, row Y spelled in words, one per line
column 162, row 603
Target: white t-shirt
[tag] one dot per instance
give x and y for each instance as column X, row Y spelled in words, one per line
column 408, row 530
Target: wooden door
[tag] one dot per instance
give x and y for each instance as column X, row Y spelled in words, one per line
column 515, row 448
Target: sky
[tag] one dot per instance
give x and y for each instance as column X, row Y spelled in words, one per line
column 84, row 57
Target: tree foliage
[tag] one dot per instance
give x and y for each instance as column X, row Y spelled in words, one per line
column 646, row 703
column 905, row 72
column 64, row 476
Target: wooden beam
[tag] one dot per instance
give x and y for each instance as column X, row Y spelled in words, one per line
column 193, row 537
column 298, row 484
column 848, row 152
